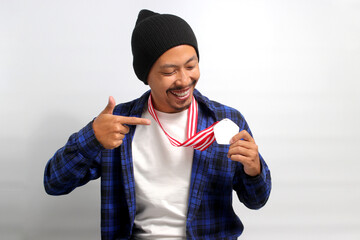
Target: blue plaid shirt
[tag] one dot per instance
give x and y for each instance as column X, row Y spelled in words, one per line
column 213, row 178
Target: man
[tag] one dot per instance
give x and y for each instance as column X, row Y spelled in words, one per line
column 162, row 174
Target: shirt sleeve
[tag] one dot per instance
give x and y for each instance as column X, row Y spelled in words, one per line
column 253, row 191
column 75, row 164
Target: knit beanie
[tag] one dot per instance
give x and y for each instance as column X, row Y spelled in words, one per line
column 153, row 35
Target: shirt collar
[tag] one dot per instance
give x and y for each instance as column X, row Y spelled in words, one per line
column 205, row 104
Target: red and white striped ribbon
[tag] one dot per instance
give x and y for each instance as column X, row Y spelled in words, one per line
column 200, row 141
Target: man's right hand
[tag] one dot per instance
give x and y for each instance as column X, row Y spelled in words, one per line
column 110, row 129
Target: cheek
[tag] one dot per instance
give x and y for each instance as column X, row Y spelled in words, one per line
column 163, row 85
column 196, row 74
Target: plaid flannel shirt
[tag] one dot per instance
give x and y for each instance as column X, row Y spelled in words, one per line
column 213, row 178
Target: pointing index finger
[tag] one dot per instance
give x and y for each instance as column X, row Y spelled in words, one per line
column 134, row 120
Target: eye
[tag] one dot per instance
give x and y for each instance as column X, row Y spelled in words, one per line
column 191, row 67
column 168, row 73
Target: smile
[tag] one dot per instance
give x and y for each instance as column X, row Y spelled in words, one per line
column 181, row 94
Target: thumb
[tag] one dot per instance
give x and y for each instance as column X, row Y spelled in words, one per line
column 110, row 106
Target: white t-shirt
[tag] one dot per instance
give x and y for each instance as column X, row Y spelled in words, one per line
column 162, row 177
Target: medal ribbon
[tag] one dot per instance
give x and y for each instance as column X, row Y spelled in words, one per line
column 200, row 141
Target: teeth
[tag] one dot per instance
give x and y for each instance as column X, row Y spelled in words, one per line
column 181, row 94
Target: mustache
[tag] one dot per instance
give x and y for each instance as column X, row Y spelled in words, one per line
column 193, row 83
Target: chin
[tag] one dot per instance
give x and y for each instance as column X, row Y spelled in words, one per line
column 181, row 106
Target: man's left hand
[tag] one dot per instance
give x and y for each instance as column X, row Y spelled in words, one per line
column 243, row 149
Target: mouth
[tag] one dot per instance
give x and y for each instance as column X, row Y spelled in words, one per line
column 181, row 94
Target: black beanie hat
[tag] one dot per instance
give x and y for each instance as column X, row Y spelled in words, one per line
column 153, row 35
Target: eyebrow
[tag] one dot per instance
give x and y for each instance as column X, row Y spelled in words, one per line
column 174, row 65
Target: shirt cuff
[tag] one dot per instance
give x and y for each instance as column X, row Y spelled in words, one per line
column 88, row 144
column 258, row 178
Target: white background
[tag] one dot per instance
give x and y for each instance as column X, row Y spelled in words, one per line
column 292, row 67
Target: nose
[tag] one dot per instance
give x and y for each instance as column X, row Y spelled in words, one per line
column 183, row 78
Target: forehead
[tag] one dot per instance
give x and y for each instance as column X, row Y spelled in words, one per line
column 177, row 55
